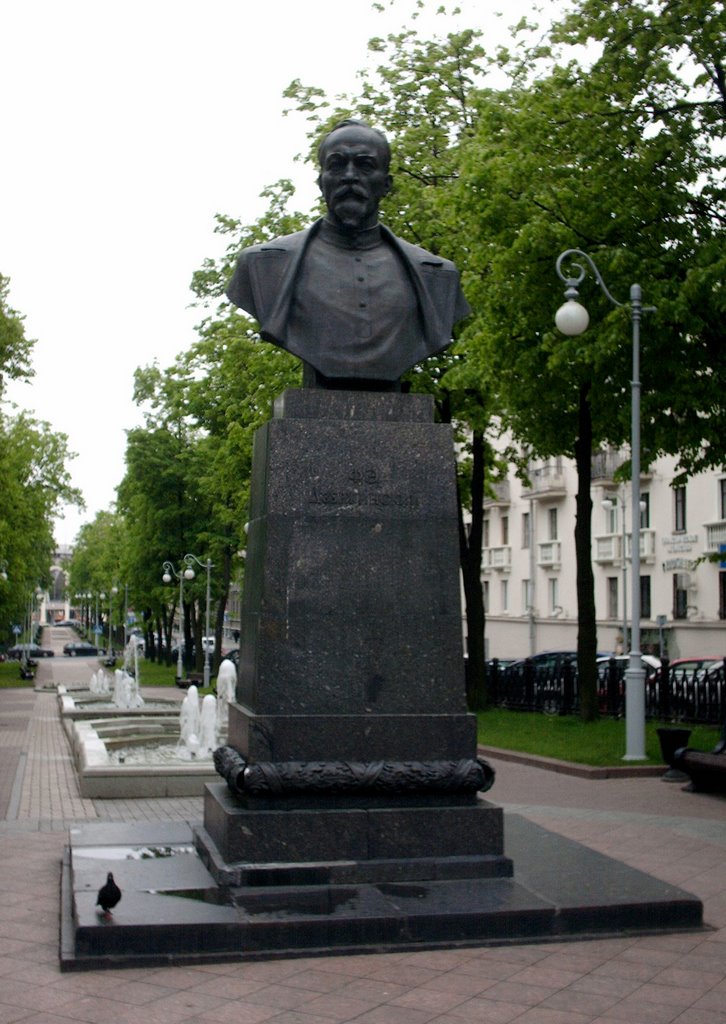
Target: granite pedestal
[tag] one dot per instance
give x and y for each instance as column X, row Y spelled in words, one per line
column 351, row 652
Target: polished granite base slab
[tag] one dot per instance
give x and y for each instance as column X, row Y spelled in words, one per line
column 172, row 911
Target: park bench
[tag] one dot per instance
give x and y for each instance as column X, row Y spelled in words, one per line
column 706, row 769
column 193, row 679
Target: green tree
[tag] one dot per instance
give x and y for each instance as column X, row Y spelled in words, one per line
column 164, row 508
column 15, row 347
column 34, row 483
column 575, row 159
column 662, row 71
column 98, row 566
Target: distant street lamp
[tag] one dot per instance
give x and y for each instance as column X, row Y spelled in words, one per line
column 572, row 319
column 208, row 566
column 112, row 593
column 181, row 574
column 126, row 614
column 98, row 629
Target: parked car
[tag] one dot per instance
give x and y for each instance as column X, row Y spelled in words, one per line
column 79, row 649
column 651, row 664
column 691, row 666
column 546, row 661
column 501, row 663
column 31, row 651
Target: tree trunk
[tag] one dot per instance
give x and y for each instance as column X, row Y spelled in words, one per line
column 586, row 621
column 166, row 626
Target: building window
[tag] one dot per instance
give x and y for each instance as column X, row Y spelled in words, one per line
column 554, row 594
column 485, row 589
column 645, row 612
column 505, row 595
column 526, row 598
column 679, row 509
column 645, row 511
column 680, row 595
column 612, row 584
column 722, row 595
column 525, row 530
column 722, row 498
column 552, row 523
column 485, row 533
column 505, row 531
column 611, row 517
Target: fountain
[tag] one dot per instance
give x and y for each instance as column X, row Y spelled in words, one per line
column 139, row 753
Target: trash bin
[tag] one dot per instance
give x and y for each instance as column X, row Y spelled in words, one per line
column 672, row 739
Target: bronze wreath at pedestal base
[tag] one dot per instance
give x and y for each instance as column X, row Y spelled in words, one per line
column 267, row 778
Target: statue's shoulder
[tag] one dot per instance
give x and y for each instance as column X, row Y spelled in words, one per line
column 285, row 243
column 415, row 254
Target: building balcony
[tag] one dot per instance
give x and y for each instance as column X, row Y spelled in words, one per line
column 549, row 554
column 604, row 464
column 499, row 496
column 716, row 537
column 609, row 548
column 546, row 481
column 497, row 558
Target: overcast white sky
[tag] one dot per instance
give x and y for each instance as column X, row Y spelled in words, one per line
column 125, row 129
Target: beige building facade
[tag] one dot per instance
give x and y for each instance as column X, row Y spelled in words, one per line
column 529, row 560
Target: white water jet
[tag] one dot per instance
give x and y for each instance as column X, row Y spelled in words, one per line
column 190, row 719
column 126, row 691
column 131, row 657
column 226, row 686
column 208, row 729
column 99, row 684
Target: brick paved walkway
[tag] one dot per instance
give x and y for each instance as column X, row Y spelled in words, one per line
column 675, row 979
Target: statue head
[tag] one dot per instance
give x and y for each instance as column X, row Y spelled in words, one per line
column 354, row 161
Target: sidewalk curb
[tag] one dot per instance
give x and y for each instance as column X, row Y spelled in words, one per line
column 581, row 771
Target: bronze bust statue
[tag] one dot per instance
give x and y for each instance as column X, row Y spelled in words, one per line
column 357, row 304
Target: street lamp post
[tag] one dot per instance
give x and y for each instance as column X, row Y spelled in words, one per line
column 99, row 628
column 111, row 594
column 572, row 319
column 189, row 559
column 182, row 574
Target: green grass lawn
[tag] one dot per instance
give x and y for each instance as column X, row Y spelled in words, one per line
column 154, row 674
column 10, row 675
column 568, row 738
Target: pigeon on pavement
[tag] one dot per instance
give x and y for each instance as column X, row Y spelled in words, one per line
column 108, row 896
